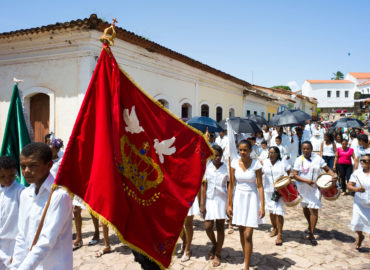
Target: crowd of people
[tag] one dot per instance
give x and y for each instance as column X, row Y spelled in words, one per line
column 237, row 192
column 242, row 189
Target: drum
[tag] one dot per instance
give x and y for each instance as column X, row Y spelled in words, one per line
column 287, row 191
column 327, row 188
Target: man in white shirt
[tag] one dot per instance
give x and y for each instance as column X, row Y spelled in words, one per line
column 309, row 127
column 296, row 148
column 10, row 192
column 285, row 140
column 53, row 249
column 223, row 141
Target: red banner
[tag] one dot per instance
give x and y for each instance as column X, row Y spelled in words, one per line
column 137, row 166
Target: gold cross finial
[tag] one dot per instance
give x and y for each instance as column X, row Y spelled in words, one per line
column 114, row 21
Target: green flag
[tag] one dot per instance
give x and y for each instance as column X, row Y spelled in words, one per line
column 16, row 133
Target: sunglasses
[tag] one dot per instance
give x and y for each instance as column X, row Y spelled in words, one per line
column 365, row 160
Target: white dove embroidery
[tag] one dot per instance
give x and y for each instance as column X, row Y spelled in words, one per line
column 132, row 121
column 164, row 148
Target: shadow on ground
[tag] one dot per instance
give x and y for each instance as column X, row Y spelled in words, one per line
column 334, row 234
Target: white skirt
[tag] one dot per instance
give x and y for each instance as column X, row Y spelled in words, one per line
column 77, row 201
column 194, row 209
column 360, row 218
column 276, row 208
column 245, row 208
column 311, row 196
column 216, row 207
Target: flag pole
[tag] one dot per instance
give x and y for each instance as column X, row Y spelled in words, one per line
column 38, row 232
column 107, row 37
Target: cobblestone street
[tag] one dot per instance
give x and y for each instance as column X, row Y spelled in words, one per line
column 335, row 249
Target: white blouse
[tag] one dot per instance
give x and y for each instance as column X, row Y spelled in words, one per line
column 309, row 169
column 246, row 180
column 361, row 198
column 272, row 172
column 216, row 180
column 328, row 150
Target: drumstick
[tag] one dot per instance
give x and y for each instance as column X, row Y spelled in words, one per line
column 359, row 181
column 313, row 172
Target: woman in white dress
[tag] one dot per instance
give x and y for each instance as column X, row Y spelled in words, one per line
column 213, row 203
column 273, row 168
column 248, row 207
column 316, row 138
column 360, row 183
column 307, row 168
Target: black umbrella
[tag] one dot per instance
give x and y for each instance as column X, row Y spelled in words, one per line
column 259, row 120
column 202, row 123
column 347, row 122
column 289, row 118
column 241, row 125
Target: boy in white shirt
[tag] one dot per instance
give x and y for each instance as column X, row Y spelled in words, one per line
column 264, row 152
column 283, row 151
column 53, row 249
column 10, row 192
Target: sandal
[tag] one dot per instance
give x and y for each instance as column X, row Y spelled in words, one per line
column 279, row 240
column 312, row 239
column 186, row 256
column 93, row 242
column 212, row 252
column 181, row 250
column 77, row 245
column 103, row 251
column 230, row 230
column 216, row 261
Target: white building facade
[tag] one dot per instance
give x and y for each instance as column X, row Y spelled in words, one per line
column 57, row 61
column 330, row 94
column 337, row 94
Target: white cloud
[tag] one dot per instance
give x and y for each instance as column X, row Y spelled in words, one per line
column 294, row 86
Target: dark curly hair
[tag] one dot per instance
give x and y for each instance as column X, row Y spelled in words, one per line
column 7, row 163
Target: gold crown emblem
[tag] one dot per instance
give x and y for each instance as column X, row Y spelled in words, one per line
column 136, row 166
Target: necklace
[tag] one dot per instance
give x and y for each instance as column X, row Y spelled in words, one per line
column 306, row 170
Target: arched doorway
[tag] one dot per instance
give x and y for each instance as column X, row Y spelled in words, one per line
column 39, row 116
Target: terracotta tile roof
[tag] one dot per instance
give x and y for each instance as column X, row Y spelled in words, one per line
column 329, row 81
column 259, row 93
column 360, row 75
column 274, row 90
column 94, row 23
column 365, row 83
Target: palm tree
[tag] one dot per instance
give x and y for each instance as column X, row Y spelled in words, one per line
column 338, row 76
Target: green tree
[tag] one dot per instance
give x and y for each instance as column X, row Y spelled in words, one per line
column 285, row 87
column 338, row 76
